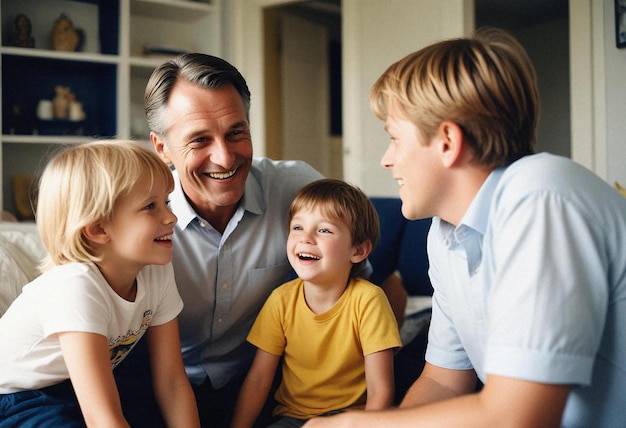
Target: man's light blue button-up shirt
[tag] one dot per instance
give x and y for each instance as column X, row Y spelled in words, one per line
column 532, row 285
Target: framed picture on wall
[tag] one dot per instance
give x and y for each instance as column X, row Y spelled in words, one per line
column 620, row 23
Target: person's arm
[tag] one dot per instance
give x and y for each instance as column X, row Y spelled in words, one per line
column 171, row 385
column 88, row 362
column 436, row 384
column 397, row 296
column 502, row 402
column 255, row 389
column 379, row 380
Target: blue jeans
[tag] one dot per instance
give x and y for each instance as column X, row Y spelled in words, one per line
column 215, row 406
column 54, row 406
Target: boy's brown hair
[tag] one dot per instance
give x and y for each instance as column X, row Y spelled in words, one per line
column 346, row 203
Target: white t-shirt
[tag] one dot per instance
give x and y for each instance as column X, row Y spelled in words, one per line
column 76, row 297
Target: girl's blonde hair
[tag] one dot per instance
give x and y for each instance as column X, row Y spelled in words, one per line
column 341, row 201
column 81, row 185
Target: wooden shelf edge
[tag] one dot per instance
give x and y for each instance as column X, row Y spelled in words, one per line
column 45, row 139
column 59, row 55
column 185, row 9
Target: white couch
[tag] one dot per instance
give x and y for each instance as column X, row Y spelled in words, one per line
column 21, row 252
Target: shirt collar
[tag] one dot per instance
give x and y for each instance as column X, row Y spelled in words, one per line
column 477, row 215
column 179, row 204
column 470, row 231
column 252, row 200
column 469, row 234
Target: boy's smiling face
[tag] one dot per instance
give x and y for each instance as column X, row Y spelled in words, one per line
column 320, row 248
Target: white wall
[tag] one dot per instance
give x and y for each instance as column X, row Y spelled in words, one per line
column 547, row 45
column 615, row 89
column 379, row 32
column 598, row 90
column 376, row 34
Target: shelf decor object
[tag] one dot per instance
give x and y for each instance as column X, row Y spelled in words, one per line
column 99, row 57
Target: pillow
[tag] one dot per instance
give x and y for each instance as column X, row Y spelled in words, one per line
column 12, row 277
column 21, row 251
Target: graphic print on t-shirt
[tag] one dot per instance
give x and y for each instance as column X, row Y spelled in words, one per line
column 122, row 345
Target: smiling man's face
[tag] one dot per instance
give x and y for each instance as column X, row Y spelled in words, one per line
column 208, row 141
column 415, row 164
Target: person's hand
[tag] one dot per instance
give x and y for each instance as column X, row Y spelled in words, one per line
column 342, row 420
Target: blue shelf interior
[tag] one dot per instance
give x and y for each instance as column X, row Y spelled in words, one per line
column 26, row 80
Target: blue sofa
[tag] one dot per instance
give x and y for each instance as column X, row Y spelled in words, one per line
column 402, row 248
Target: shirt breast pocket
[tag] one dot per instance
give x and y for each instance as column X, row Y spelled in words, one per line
column 262, row 281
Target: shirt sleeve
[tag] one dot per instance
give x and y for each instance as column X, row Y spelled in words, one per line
column 544, row 313
column 379, row 329
column 445, row 347
column 77, row 303
column 168, row 301
column 266, row 332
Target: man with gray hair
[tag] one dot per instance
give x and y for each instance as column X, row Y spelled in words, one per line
column 232, row 209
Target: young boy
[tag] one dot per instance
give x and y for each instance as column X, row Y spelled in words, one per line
column 335, row 332
column 104, row 219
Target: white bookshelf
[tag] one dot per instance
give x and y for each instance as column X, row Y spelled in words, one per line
column 108, row 75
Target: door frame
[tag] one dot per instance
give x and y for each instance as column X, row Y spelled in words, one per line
column 247, row 53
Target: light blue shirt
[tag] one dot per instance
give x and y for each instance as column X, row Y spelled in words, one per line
column 532, row 285
column 224, row 279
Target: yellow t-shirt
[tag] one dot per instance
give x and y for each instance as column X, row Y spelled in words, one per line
column 324, row 355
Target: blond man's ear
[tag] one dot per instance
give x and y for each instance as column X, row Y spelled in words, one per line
column 450, row 142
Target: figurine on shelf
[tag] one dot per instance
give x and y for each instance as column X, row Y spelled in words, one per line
column 24, row 196
column 66, row 106
column 44, row 110
column 61, row 101
column 66, row 37
column 76, row 113
column 20, row 33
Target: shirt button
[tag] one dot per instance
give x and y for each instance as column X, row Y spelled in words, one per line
column 224, row 286
column 220, row 320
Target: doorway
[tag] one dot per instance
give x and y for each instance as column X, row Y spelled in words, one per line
column 542, row 27
column 550, row 16
column 302, row 75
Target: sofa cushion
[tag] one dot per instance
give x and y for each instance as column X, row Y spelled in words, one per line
column 21, row 252
column 384, row 257
column 402, row 248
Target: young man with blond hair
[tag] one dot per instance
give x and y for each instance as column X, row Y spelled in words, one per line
column 526, row 251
